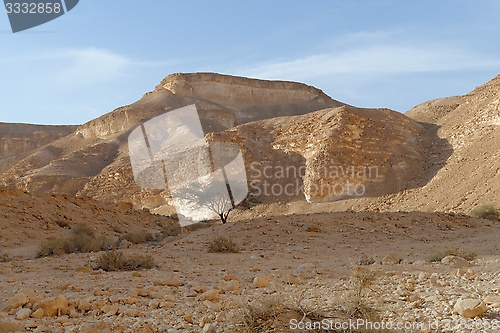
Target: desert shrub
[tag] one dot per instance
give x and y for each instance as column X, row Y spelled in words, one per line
column 453, row 251
column 117, row 261
column 223, row 244
column 82, row 239
column 488, row 212
column 260, row 316
column 274, row 312
column 362, row 278
column 198, row 225
column 52, row 247
column 169, row 230
column 138, row 236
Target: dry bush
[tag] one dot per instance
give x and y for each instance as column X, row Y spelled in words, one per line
column 138, row 237
column 489, row 212
column 260, row 316
column 82, row 239
column 52, row 247
column 362, row 278
column 117, row 261
column 274, row 313
column 169, row 230
column 453, row 251
column 223, row 244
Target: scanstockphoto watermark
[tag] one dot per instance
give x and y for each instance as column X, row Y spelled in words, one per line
column 332, row 181
column 357, row 325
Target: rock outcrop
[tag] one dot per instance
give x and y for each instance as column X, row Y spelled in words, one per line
column 329, row 155
column 334, row 151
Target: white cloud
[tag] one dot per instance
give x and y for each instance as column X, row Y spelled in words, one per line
column 87, row 66
column 370, row 60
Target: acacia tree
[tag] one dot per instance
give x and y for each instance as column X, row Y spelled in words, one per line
column 214, row 195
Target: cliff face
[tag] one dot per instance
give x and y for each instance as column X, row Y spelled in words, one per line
column 93, row 160
column 223, row 101
column 329, row 155
column 21, row 138
column 471, row 125
column 18, row 139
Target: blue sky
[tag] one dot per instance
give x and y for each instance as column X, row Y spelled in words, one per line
column 368, row 53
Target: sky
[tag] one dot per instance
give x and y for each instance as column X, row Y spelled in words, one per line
column 367, row 53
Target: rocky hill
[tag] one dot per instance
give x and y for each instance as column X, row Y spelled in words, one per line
column 17, row 140
column 331, row 151
column 465, row 153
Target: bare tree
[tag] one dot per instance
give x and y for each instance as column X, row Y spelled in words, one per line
column 214, row 195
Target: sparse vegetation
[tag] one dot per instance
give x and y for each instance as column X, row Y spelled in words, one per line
column 114, row 260
column 274, row 312
column 138, row 237
column 357, row 308
column 143, row 236
column 223, row 244
column 169, row 230
column 82, row 239
column 453, row 251
column 489, row 212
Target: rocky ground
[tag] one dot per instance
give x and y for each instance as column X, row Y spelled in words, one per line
column 331, row 269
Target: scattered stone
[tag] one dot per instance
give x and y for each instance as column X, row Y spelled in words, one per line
column 188, row 318
column 470, row 308
column 53, row 307
column 311, row 228
column 392, row 259
column 230, row 277
column 23, row 314
column 110, row 310
column 37, row 314
column 142, row 292
column 364, row 260
column 261, row 282
column 209, row 329
column 455, row 262
column 16, row 301
column 210, row 295
column 8, row 327
column 84, row 305
column 492, row 299
column 125, row 244
column 172, row 330
column 173, row 283
column 6, row 271
column 216, row 307
column 306, row 271
column 434, row 278
column 232, row 285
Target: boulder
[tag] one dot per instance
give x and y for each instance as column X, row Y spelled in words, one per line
column 53, row 306
column 16, row 301
column 470, row 308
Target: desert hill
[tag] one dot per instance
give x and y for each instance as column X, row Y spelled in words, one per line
column 293, row 259
column 466, row 153
column 93, row 160
column 26, row 218
column 441, row 155
column 17, row 140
